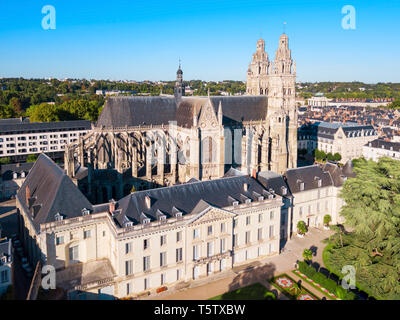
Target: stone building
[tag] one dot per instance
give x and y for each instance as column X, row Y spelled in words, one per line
column 165, row 140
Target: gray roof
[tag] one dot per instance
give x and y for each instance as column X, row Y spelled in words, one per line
column 52, row 192
column 309, row 176
column 25, row 127
column 274, row 181
column 7, row 170
column 119, row 112
column 382, row 144
column 186, row 198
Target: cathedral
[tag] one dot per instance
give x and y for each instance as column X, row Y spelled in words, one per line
column 142, row 142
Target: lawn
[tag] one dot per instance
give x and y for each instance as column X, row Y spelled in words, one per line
column 253, row 292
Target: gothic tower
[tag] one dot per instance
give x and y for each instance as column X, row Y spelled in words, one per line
column 179, row 89
column 257, row 74
column 282, row 107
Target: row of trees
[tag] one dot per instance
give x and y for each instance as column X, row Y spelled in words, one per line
column 320, row 155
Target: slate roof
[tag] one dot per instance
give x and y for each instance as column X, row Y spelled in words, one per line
column 274, row 181
column 379, row 143
column 24, row 127
column 119, row 112
column 186, row 197
column 7, row 170
column 52, row 191
column 307, row 175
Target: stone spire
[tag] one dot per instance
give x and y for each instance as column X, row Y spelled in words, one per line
column 283, row 58
column 179, row 89
column 258, row 71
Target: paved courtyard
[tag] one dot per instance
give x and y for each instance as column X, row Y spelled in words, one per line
column 257, row 271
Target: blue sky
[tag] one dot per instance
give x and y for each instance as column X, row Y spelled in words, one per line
column 215, row 39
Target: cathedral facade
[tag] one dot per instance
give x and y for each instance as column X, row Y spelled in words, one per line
column 165, row 140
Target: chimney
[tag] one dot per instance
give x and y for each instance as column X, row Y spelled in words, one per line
column 27, row 195
column 111, row 206
column 254, row 174
column 148, row 202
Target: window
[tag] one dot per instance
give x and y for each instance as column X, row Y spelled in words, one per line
column 4, row 276
column 195, row 252
column 223, row 227
column 163, row 259
column 179, row 255
column 196, row 233
column 162, row 278
column 271, row 215
column 271, row 231
column 235, row 223
column 128, row 247
column 209, row 230
column 178, row 274
column 146, row 283
column 104, row 233
column 259, row 234
column 301, row 211
column 210, row 249
column 260, row 217
column 146, row 263
column 247, row 237
column 86, row 234
column 128, row 267
column 146, row 244
column 178, row 236
column 163, row 240
column 128, row 288
column 222, row 245
column 59, row 240
column 318, row 207
column 74, row 253
column 248, row 220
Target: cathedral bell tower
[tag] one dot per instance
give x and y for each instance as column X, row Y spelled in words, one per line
column 179, row 89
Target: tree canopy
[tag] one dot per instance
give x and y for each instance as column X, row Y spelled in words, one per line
column 372, row 209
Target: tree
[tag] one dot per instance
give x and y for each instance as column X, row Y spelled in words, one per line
column 31, row 158
column 372, row 209
column 329, row 156
column 5, row 160
column 307, row 255
column 301, row 227
column 327, row 219
column 337, row 156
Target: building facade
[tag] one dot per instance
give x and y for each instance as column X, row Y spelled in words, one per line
column 147, row 239
column 19, row 137
column 378, row 148
column 6, row 260
column 346, row 139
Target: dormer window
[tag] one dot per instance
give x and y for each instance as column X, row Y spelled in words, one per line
column 284, row 191
column 235, row 203
column 128, row 224
column 270, row 196
column 162, row 218
column 247, row 201
column 146, row 221
column 301, row 186
column 245, row 186
column 178, row 214
column 85, row 212
column 58, row 217
column 260, row 198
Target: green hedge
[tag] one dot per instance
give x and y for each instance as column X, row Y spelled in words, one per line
column 325, row 282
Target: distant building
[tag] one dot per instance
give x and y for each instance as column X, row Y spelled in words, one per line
column 6, row 260
column 318, row 101
column 346, row 139
column 378, row 148
column 19, row 137
column 12, row 177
